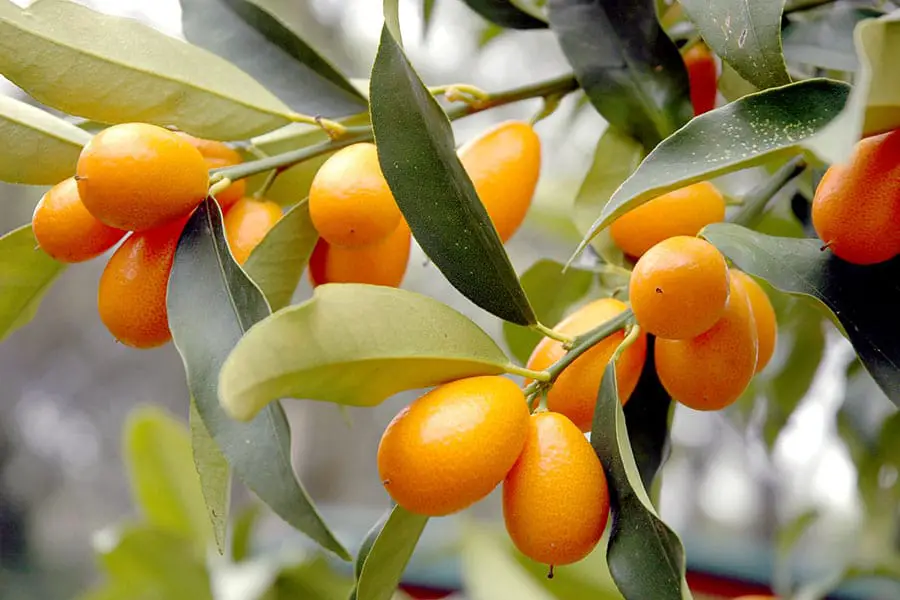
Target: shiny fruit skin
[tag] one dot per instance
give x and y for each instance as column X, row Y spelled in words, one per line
column 218, row 155
column 856, row 208
column 679, row 287
column 65, row 229
column 383, row 263
column 555, row 498
column 137, row 176
column 763, row 316
column 574, row 394
column 350, row 203
column 684, row 211
column 504, row 164
column 712, row 370
column 702, row 77
column 247, row 223
column 132, row 294
column 451, row 447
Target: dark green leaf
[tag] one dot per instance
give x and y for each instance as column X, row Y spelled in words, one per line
column 129, row 73
column 242, row 533
column 279, row 260
column 354, row 344
column 755, row 129
column 746, row 34
column 506, row 14
column 152, row 564
column 799, row 266
column 388, row 555
column 551, row 291
column 215, row 476
column 645, row 556
column 164, row 482
column 251, row 34
column 874, row 105
column 204, row 333
column 37, row 148
column 626, row 63
column 26, row 274
column 647, row 419
column 417, row 154
column 824, row 38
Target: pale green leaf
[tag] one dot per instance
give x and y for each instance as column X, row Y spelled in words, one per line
column 215, row 476
column 389, row 554
column 36, row 147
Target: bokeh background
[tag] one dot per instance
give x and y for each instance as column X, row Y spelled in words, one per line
column 66, row 386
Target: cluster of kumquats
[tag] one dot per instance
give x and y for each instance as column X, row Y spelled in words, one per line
column 141, row 182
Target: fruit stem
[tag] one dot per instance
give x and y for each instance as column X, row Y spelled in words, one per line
column 527, row 373
column 633, row 335
column 756, row 200
column 460, row 92
column 585, row 342
column 219, row 186
column 334, row 129
column 352, row 135
column 267, row 184
column 553, row 334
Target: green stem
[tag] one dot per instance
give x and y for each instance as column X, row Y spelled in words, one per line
column 552, row 333
column 352, row 135
column 632, row 336
column 585, row 342
column 527, row 373
column 755, row 202
column 218, row 186
column 267, row 184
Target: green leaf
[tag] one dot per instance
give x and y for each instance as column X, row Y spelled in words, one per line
column 417, row 154
column 647, row 420
column 242, row 532
column 644, row 555
column 507, row 13
column 551, row 291
column 874, row 104
column 490, row 570
column 310, row 580
column 215, row 476
column 255, row 37
column 631, row 70
column 588, row 579
column 26, row 274
column 800, row 267
column 747, row 35
column 151, row 564
column 204, row 333
column 753, row 130
column 164, row 482
column 279, row 260
column 38, row 148
column 354, row 344
column 733, row 86
column 824, row 38
column 388, row 555
column 615, row 159
column 131, row 72
column 428, row 7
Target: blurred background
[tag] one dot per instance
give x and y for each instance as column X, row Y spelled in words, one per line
column 733, row 481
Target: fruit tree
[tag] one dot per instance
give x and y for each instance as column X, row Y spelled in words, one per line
column 209, row 182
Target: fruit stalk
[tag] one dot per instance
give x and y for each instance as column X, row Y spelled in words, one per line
column 560, row 85
column 755, row 202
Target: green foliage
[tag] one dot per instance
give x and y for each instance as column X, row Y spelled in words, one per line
column 292, row 69
column 645, row 556
column 204, row 333
column 53, row 52
column 385, row 553
column 26, row 273
column 215, row 476
column 417, row 155
column 360, row 345
column 277, row 263
column 507, row 14
column 46, row 148
column 776, row 123
column 551, row 291
column 629, row 68
column 747, row 35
